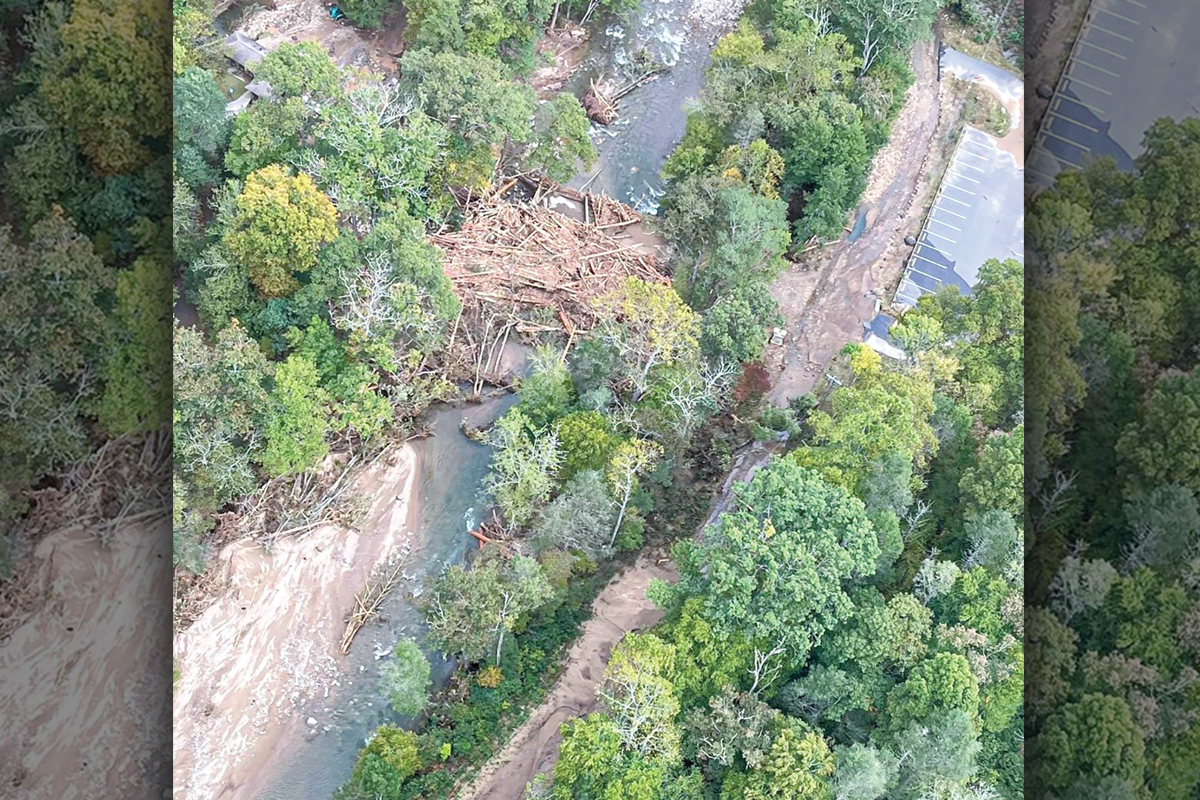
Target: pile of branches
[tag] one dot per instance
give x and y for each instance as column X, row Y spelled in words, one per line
column 520, row 267
column 600, row 101
column 124, row 481
column 524, row 256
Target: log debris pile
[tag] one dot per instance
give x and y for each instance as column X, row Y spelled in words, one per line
column 525, row 256
column 520, row 267
column 600, row 102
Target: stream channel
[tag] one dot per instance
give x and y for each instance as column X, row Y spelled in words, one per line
column 450, row 497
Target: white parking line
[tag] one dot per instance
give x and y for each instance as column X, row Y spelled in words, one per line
column 952, row 200
column 964, row 177
column 1118, row 16
column 1103, row 49
column 1073, row 79
column 1053, row 135
column 965, row 151
column 1136, row 3
column 926, row 274
column 1079, row 103
column 947, row 224
column 1095, row 27
column 1098, row 69
column 940, row 236
column 1069, row 164
column 969, row 166
column 1073, row 122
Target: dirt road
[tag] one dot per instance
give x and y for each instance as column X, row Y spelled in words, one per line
column 826, row 299
column 270, row 641
column 621, row 607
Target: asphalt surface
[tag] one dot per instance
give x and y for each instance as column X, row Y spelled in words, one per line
column 978, row 214
column 1134, row 62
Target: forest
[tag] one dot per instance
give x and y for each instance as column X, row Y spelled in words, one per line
column 1114, row 462
column 84, row 258
column 851, row 627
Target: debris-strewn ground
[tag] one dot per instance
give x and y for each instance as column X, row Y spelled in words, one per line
column 717, row 13
column 525, row 256
column 827, row 297
column 270, row 641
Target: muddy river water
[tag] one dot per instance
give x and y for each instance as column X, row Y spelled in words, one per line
column 652, row 117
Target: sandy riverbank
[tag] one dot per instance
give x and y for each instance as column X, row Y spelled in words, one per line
column 271, row 642
column 85, row 689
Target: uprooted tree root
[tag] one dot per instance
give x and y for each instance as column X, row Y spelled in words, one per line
column 523, row 268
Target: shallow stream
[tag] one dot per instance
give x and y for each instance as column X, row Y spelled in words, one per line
column 652, row 117
column 450, row 502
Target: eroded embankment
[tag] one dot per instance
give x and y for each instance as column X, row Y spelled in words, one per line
column 270, row 642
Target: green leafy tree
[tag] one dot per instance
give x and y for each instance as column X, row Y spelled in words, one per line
column 137, row 391
column 593, row 764
column 406, row 679
column 268, row 132
column 300, row 70
column 109, row 81
column 546, row 392
column 863, row 772
column 942, row 682
column 199, row 108
column 385, row 763
column 630, row 460
column 997, row 479
column 580, row 518
column 524, row 466
column 368, row 13
column 299, row 419
column 774, row 569
column 938, row 755
column 469, row 96
column 562, row 144
column 470, row 611
column 53, row 331
column 640, row 698
column 647, row 327
column 798, row 766
column 735, row 728
column 883, row 411
column 587, row 442
column 221, row 407
column 1161, row 447
column 278, row 227
column 1091, row 739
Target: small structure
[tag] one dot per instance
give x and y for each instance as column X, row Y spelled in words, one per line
column 778, row 336
column 245, row 51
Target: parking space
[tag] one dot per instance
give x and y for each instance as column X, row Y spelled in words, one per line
column 977, row 215
column 1133, row 62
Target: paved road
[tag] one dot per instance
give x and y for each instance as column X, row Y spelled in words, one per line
column 978, row 215
column 1134, row 61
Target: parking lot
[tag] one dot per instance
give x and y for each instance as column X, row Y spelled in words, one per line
column 1134, row 61
column 978, row 214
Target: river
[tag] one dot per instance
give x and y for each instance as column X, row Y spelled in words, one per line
column 632, row 150
column 450, row 502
